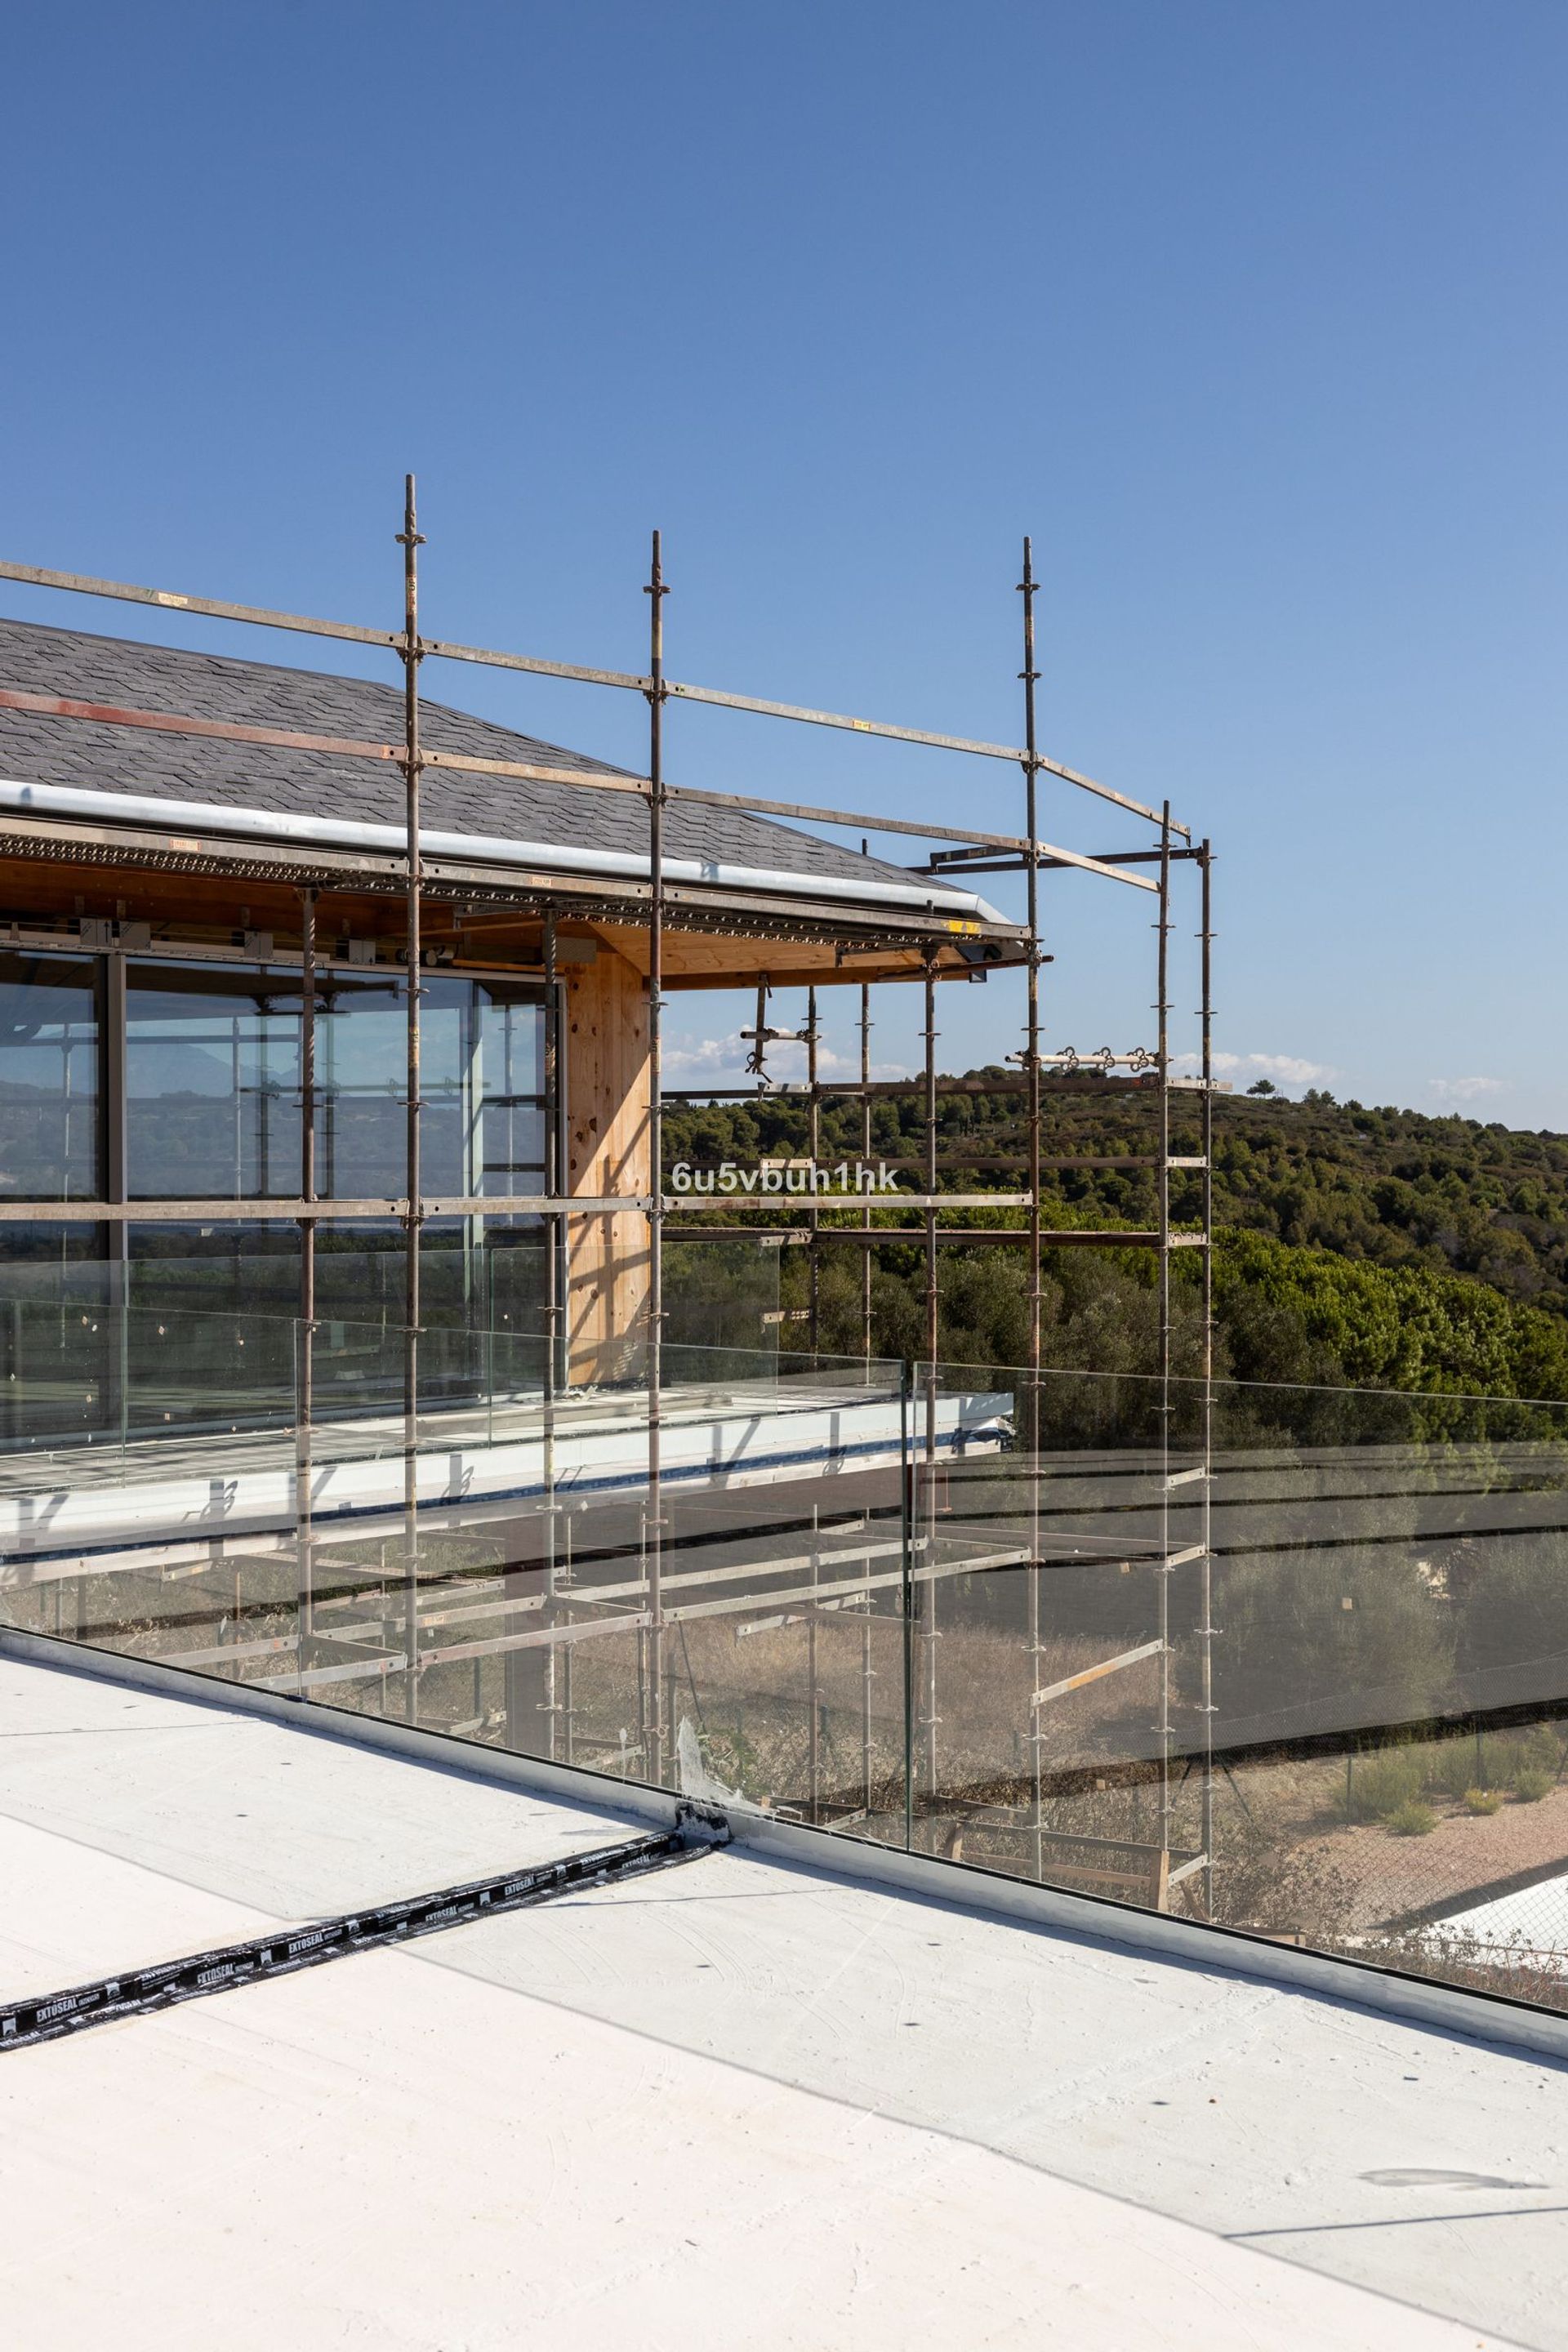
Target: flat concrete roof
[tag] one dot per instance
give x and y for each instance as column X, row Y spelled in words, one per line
column 735, row 2104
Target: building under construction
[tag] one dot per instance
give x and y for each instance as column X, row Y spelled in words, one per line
column 347, row 1305
column 361, row 1354
column 360, row 1343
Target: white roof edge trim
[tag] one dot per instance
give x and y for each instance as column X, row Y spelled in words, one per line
column 339, row 832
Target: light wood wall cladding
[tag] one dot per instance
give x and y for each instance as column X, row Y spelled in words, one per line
column 606, row 1020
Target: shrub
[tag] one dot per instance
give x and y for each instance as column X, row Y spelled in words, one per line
column 1531, row 1785
column 1508, row 1754
column 1452, row 1768
column 1280, row 1888
column 1412, row 1820
column 1382, row 1782
column 1482, row 1801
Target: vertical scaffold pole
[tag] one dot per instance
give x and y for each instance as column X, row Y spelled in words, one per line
column 814, row 1145
column 928, row 1605
column 551, row 1320
column 865, row 1161
column 814, row 1695
column 410, row 538
column 568, row 1716
column 866, row 1677
column 655, row 590
column 813, row 1683
column 1163, row 1011
column 1030, row 676
column 1206, row 1630
column 304, row 1407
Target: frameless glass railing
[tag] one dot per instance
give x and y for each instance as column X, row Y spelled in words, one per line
column 1291, row 1661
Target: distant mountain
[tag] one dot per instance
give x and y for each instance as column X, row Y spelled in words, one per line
column 169, row 1066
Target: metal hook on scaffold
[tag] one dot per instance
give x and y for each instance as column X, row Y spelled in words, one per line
column 761, row 1037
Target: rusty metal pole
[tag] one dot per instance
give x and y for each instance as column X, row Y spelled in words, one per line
column 304, row 1405
column 1030, row 676
column 930, row 1034
column 866, row 1677
column 865, row 1161
column 814, row 1145
column 555, row 1368
column 656, row 692
column 813, row 1684
column 929, row 1612
column 1163, row 1054
column 1207, row 1629
column 410, row 539
column 551, row 1320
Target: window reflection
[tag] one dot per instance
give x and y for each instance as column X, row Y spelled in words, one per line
column 212, row 1113
column 361, row 1272
column 362, row 1068
column 48, row 1077
column 212, row 1085
column 483, row 1127
column 481, row 1079
column 212, row 1082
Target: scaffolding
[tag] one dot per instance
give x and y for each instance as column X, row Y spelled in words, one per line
column 1146, row 1073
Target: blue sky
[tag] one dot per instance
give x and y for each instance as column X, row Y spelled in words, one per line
column 1253, row 316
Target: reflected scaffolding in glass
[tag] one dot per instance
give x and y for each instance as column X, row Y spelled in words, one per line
column 1300, row 1667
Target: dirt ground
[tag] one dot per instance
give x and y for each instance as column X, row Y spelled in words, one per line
column 1398, row 1877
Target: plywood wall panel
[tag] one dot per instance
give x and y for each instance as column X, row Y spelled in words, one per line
column 605, row 1042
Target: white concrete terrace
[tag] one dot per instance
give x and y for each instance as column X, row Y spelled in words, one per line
column 746, row 2102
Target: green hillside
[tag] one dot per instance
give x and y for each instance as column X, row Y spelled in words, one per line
column 1362, row 1246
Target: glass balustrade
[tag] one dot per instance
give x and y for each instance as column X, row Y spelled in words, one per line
column 1291, row 1661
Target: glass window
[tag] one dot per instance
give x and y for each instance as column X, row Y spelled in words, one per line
column 483, row 1085
column 212, row 1085
column 48, row 1077
column 481, row 1075
column 512, row 1030
column 361, row 1072
column 212, row 1082
column 212, row 1113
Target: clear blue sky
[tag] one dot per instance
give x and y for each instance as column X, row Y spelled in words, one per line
column 1252, row 315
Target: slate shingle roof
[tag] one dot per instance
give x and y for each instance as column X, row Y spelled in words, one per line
column 82, row 667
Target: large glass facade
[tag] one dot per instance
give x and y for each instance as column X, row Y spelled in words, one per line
column 212, row 1111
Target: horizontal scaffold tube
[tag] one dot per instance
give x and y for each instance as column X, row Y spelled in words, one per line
column 213, row 608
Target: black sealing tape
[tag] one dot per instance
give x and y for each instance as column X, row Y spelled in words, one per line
column 144, row 1991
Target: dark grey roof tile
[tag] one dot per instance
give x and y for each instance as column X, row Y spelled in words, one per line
column 82, row 667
